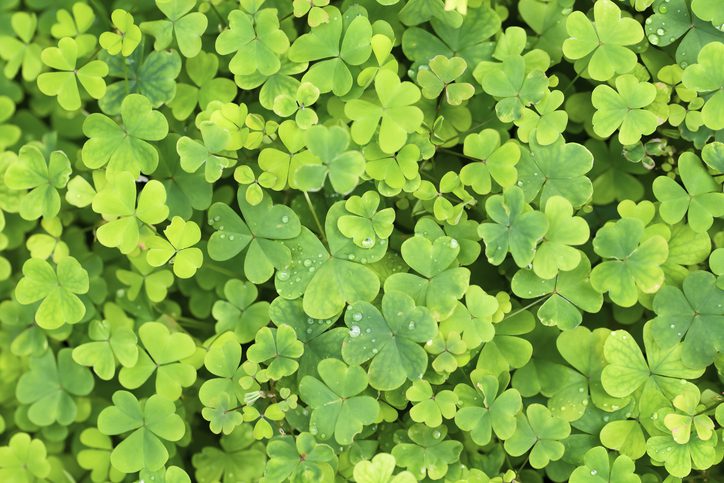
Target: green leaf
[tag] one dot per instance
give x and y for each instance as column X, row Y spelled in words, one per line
column 541, row 433
column 23, row 459
column 187, row 27
column 623, row 109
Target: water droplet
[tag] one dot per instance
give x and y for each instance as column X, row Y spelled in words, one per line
column 653, row 39
column 285, row 219
column 605, row 419
column 519, row 183
column 594, row 472
column 411, row 325
column 311, row 269
column 231, row 237
column 436, row 434
column 648, row 21
column 310, row 321
column 663, row 9
column 684, row 65
column 660, row 31
column 222, row 236
column 368, row 243
column 283, row 276
column 350, row 257
column 580, row 389
column 454, row 243
column 307, row 262
column 354, row 331
column 309, row 330
column 357, row 316
column 217, row 218
column 221, row 228
column 368, row 330
column 374, row 350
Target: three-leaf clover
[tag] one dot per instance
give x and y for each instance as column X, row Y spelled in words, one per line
column 391, row 339
column 542, row 432
column 164, row 354
column 429, row 453
column 600, row 467
column 515, row 228
column 392, row 109
column 707, row 76
column 64, row 82
column 439, row 75
column 126, row 147
column 365, row 225
column 624, row 109
column 632, row 261
column 496, row 161
column 49, row 386
column 556, row 252
column 21, row 52
column 600, row 46
column 24, row 459
column 127, row 35
column 240, row 312
column 56, row 289
column 379, row 470
column 338, row 408
column 279, row 349
column 44, row 178
column 150, row 423
column 514, row 85
column 127, row 217
column 431, row 407
column 177, row 247
column 700, row 198
column 186, row 27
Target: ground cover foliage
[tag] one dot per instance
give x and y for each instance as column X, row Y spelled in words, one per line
column 361, row 240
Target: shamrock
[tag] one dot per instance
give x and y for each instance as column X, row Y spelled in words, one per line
column 389, row 338
column 694, row 313
column 125, row 148
column 599, row 467
column 257, row 42
column 507, row 350
column 205, row 86
column 152, row 76
column 316, row 15
column 516, row 228
column 600, row 47
column 333, row 160
column 429, row 407
column 177, row 247
column 485, row 408
column 556, row 169
column 440, row 283
column 701, row 196
column 632, row 261
column 127, row 217
column 49, row 386
column 155, row 283
column 292, row 457
column 280, row 165
column 152, row 421
column 239, row 312
column 688, row 413
column 556, row 251
column 64, row 83
column 379, row 470
column 627, row 370
column 707, row 75
column 306, row 95
column 234, row 456
column 44, row 179
column 569, row 292
column 496, row 161
column 393, row 110
column 112, row 341
column 338, row 409
column 513, row 85
column 56, row 288
column 127, row 35
column 542, row 432
column 186, row 27
column 279, row 349
column 428, row 453
column 545, row 124
column 266, row 225
column 680, row 459
column 221, row 394
column 366, row 224
column 164, row 353
column 75, row 22
column 24, row 459
column 96, row 455
column 336, row 44
column 21, row 52
column 194, row 154
column 624, row 109
column 439, row 75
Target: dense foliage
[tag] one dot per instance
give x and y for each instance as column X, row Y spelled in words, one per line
column 361, row 240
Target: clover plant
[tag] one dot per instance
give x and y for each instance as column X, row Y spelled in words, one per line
column 380, row 241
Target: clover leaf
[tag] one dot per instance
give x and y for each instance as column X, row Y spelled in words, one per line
column 177, row 248
column 164, row 353
column 338, row 409
column 50, row 386
column 366, row 225
column 429, row 407
column 24, row 459
column 155, row 283
column 440, row 75
column 392, row 109
column 600, row 467
column 205, row 86
column 701, row 198
column 497, row 162
column 707, row 76
column 256, row 42
column 514, row 86
column 632, row 261
column 150, row 422
column 125, row 148
column 516, row 228
column 389, row 338
column 539, row 432
column 292, row 457
column 236, row 457
column 57, row 289
column 20, row 52
column 64, row 82
column 429, row 453
column 487, row 408
column 279, row 349
column 43, row 178
column 556, row 252
column 624, row 109
column 186, row 27
column 127, row 35
column 240, row 312
column 379, row 470
column 128, row 218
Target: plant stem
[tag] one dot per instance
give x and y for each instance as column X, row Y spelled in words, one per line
column 314, row 215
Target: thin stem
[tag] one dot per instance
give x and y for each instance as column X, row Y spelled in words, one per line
column 218, row 14
column 314, row 215
column 526, row 307
column 570, row 84
column 477, row 126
